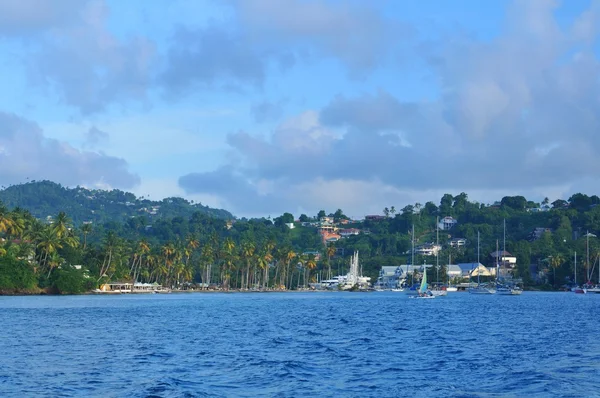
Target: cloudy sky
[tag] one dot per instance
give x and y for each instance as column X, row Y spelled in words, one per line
column 266, row 106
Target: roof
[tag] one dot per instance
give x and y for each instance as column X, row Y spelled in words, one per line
column 468, row 266
column 501, row 253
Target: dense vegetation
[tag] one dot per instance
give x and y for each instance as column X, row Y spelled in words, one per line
column 57, row 256
column 46, row 198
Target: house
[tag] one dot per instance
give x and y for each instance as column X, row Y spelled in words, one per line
column 375, row 218
column 503, row 258
column 391, row 277
column 316, row 254
column 428, row 249
column 447, row 223
column 290, row 225
column 539, row 209
column 474, row 269
column 326, row 220
column 329, row 237
column 537, row 233
column 344, row 233
column 457, row 242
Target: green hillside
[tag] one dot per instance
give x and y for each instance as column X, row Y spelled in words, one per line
column 46, row 198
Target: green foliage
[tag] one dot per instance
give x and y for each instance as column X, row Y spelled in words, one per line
column 16, row 274
column 46, row 198
column 68, row 280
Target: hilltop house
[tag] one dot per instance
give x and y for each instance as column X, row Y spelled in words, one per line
column 344, row 233
column 428, row 249
column 447, row 223
column 329, row 237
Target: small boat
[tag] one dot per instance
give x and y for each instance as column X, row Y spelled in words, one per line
column 508, row 290
column 424, row 292
column 482, row 289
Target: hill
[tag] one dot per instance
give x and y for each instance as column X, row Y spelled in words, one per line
column 45, row 199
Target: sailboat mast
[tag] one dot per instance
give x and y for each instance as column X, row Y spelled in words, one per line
column 437, row 245
column 478, row 258
column 575, row 266
column 412, row 259
column 497, row 266
column 587, row 263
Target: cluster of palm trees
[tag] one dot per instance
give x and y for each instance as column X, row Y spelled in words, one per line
column 25, row 237
column 215, row 260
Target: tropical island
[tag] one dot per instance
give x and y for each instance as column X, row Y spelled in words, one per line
column 57, row 240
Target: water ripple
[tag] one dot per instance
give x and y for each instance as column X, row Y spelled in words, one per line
column 300, row 344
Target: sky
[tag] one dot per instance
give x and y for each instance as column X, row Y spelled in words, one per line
column 268, row 106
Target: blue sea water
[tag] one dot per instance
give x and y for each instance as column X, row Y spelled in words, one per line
column 325, row 344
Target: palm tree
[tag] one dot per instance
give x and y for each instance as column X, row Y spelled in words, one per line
column 207, row 258
column 168, row 253
column 248, row 249
column 111, row 244
column 311, row 264
column 86, row 229
column 386, row 212
column 555, row 262
column 228, row 256
column 5, row 219
column 49, row 243
column 62, row 225
column 330, row 253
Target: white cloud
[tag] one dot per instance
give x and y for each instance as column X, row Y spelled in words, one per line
column 517, row 115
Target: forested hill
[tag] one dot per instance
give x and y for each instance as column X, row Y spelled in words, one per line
column 46, row 198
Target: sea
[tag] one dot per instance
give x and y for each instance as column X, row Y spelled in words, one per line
column 300, row 344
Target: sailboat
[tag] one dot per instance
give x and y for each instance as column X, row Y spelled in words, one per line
column 438, row 289
column 480, row 288
column 577, row 289
column 450, row 288
column 424, row 292
column 505, row 289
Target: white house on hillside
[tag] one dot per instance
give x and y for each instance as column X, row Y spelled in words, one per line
column 447, row 223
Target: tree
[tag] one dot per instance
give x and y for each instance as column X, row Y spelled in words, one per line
column 386, row 212
column 559, row 204
column 555, row 262
column 285, row 218
column 339, row 215
column 514, row 202
column 303, row 218
column 321, row 214
column 392, row 211
column 86, row 229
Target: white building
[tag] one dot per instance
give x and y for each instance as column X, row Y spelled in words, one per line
column 428, row 249
column 447, row 223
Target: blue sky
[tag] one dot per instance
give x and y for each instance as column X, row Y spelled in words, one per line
column 266, row 106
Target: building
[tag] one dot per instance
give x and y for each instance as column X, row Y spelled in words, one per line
column 329, row 237
column 457, row 242
column 326, row 220
column 503, row 258
column 316, row 254
column 344, row 233
column 375, row 218
column 472, row 269
column 290, row 225
column 428, row 249
column 447, row 223
column 391, row 277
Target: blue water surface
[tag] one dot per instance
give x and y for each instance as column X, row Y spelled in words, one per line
column 325, row 344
